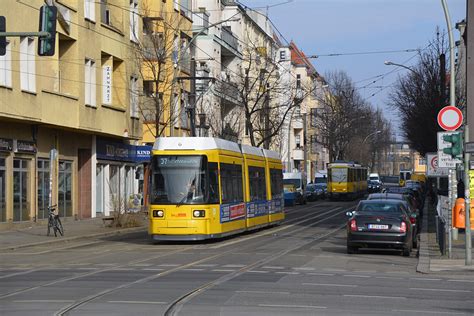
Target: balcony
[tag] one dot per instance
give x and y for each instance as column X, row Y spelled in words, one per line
column 201, row 22
column 298, row 153
column 229, row 43
column 297, row 123
column 185, row 62
column 228, row 92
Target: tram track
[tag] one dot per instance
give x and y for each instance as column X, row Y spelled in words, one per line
column 181, row 301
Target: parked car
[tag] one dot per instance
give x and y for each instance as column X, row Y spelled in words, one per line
column 324, row 188
column 373, row 186
column 379, row 224
column 412, row 211
column 312, row 193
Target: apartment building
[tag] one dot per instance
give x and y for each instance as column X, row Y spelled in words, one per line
column 69, row 123
column 165, row 58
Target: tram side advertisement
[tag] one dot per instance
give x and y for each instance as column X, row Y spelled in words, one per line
column 232, row 212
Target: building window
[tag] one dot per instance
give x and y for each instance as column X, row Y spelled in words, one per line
column 43, row 188
column 89, row 10
column 314, row 117
column 298, row 81
column 65, row 188
column 27, row 64
column 134, row 20
column 134, row 97
column 3, row 183
column 298, row 141
column 6, row 67
column 90, row 83
column 100, row 181
column 282, row 55
column 149, row 88
column 21, row 207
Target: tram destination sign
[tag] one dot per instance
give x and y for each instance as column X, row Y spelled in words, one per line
column 179, row 161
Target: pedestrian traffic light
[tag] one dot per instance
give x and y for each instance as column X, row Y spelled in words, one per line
column 48, row 16
column 3, row 39
column 456, row 145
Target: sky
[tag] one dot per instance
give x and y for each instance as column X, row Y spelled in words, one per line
column 322, row 27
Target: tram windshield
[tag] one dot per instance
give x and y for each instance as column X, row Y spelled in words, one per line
column 339, row 175
column 179, row 180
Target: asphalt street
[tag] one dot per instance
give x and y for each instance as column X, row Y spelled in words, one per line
column 298, row 268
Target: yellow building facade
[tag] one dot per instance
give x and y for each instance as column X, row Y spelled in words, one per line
column 166, row 68
column 71, row 118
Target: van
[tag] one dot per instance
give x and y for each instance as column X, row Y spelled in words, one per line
column 293, row 185
column 375, row 177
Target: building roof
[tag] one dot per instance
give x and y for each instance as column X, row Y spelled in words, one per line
column 298, row 58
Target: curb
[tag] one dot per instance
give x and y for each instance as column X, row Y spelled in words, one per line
column 68, row 239
column 423, row 265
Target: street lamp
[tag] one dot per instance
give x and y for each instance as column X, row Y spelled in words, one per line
column 390, row 63
column 367, row 137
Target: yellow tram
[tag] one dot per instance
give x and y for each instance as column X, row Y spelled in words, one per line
column 204, row 188
column 346, row 180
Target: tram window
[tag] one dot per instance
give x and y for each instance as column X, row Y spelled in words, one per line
column 257, row 183
column 213, row 183
column 231, row 181
column 276, row 178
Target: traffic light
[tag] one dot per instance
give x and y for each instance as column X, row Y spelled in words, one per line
column 48, row 16
column 3, row 39
column 456, row 141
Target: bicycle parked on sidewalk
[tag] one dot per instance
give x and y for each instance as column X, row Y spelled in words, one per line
column 54, row 222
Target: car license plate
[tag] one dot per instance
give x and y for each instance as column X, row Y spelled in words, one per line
column 377, row 226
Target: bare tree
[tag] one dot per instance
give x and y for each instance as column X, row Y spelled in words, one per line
column 342, row 116
column 158, row 55
column 420, row 94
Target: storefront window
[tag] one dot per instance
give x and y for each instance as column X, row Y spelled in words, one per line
column 21, row 210
column 3, row 208
column 43, row 188
column 65, row 188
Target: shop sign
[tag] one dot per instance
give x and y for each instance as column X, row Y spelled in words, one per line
column 110, row 150
column 24, row 146
column 6, row 144
column 107, row 84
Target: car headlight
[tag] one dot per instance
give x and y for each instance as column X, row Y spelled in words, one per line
column 158, row 213
column 199, row 213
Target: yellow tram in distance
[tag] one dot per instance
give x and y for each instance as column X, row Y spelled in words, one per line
column 346, row 180
column 204, row 188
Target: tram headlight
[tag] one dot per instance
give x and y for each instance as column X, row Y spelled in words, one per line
column 158, row 213
column 199, row 213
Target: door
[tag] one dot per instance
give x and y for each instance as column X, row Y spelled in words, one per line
column 21, row 209
column 65, row 188
column 43, row 188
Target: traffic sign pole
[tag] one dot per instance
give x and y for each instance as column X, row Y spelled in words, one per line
column 467, row 201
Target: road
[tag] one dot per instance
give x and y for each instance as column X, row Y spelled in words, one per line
column 298, row 268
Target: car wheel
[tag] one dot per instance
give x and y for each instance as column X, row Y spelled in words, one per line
column 351, row 250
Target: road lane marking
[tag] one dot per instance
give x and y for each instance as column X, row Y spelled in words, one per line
column 287, row 272
column 273, row 267
column 425, row 279
column 169, row 265
column 234, row 266
column 43, row 301
column 454, row 280
column 364, row 271
column 439, row 290
column 190, row 269
column 153, row 269
column 390, row 278
column 206, row 265
column 142, row 265
column 356, row 276
column 335, row 270
column 293, row 306
column 329, row 284
column 375, row 296
column 223, row 270
column 322, row 274
column 263, row 292
column 258, row 271
column 425, row 312
column 137, row 302
column 304, row 269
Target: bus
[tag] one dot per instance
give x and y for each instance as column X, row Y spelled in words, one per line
column 208, row 188
column 346, row 180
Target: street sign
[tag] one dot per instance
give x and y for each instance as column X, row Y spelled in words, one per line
column 433, row 169
column 445, row 160
column 450, row 118
column 469, row 147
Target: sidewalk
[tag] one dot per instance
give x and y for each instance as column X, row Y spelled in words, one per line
column 430, row 258
column 35, row 234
